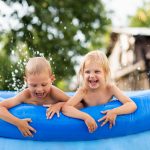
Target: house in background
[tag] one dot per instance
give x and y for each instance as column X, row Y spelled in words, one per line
column 129, row 57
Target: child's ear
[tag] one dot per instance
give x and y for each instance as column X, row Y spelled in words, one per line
column 52, row 77
column 25, row 79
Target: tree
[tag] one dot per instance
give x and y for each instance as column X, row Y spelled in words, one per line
column 59, row 30
column 142, row 16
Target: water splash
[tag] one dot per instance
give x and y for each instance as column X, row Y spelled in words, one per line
column 17, row 74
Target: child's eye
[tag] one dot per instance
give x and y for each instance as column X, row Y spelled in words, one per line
column 97, row 71
column 33, row 85
column 87, row 71
column 45, row 84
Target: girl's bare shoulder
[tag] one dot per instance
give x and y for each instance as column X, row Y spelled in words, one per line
column 82, row 90
column 111, row 86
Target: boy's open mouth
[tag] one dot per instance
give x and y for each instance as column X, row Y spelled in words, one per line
column 39, row 95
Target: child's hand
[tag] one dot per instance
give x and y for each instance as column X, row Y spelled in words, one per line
column 52, row 109
column 25, row 128
column 109, row 117
column 91, row 124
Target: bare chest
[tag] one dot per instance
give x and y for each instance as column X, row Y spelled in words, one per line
column 97, row 99
column 44, row 101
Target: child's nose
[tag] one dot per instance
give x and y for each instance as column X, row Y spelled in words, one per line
column 91, row 74
column 39, row 88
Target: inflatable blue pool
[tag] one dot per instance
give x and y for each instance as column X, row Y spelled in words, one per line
column 69, row 129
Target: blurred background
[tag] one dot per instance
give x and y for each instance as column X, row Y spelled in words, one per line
column 63, row 31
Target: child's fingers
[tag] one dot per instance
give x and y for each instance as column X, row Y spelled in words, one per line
column 101, row 119
column 110, row 125
column 104, row 122
column 58, row 114
column 32, row 129
column 51, row 115
column 89, row 127
column 48, row 113
column 96, row 126
column 28, row 120
column 29, row 133
column 104, row 112
column 47, row 105
column 25, row 134
column 48, row 110
column 92, row 127
column 114, row 122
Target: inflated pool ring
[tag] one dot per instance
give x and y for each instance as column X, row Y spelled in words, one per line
column 69, row 129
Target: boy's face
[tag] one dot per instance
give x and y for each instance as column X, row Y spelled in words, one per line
column 39, row 84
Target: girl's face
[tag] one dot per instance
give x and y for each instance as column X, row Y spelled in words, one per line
column 93, row 75
column 39, row 84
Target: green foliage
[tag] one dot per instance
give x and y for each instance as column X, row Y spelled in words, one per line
column 142, row 17
column 50, row 28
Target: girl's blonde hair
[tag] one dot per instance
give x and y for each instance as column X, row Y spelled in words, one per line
column 37, row 65
column 98, row 57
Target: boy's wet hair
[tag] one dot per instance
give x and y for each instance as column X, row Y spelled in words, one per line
column 96, row 56
column 37, row 65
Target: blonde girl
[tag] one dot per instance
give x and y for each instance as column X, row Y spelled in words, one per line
column 97, row 89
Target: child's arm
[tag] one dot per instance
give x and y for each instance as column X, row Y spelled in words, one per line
column 56, row 108
column 75, row 113
column 60, row 97
column 22, row 125
column 69, row 110
column 128, row 107
column 77, row 98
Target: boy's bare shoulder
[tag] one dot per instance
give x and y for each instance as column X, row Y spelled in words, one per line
column 54, row 87
column 18, row 99
column 58, row 94
column 24, row 95
column 55, row 90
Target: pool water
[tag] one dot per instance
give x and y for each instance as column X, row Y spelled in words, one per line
column 138, row 141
